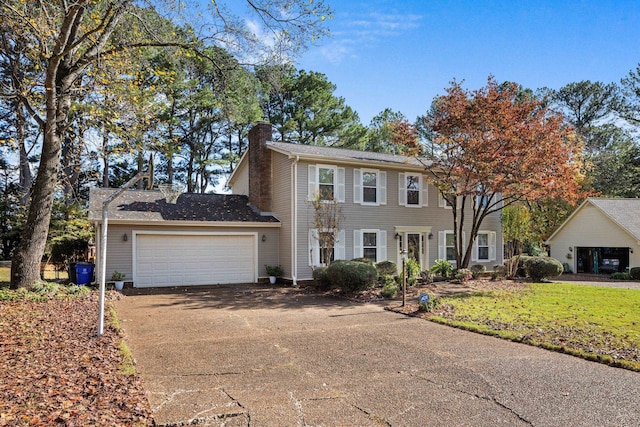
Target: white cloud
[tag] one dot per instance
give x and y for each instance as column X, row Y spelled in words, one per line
column 362, row 32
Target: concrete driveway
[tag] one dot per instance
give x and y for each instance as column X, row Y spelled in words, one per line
column 240, row 356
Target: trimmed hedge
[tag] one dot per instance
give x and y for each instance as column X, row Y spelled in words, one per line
column 321, row 278
column 387, row 268
column 634, row 273
column 352, row 276
column 539, row 268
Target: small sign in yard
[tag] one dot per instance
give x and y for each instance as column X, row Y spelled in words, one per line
column 424, row 298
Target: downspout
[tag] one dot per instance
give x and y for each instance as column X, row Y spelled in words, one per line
column 294, row 218
column 103, row 243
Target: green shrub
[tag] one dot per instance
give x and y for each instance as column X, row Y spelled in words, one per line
column 364, row 260
column 621, row 276
column 387, row 268
column 321, row 278
column 390, row 288
column 463, row 275
column 520, row 272
column 413, row 268
column 634, row 273
column 499, row 272
column 352, row 276
column 539, row 268
column 478, row 270
column 442, row 267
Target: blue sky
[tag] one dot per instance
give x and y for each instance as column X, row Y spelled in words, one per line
column 401, row 54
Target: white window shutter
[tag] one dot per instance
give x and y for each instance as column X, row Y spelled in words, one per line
column 474, row 251
column 382, row 246
column 402, row 191
column 425, row 191
column 492, row 246
column 382, row 188
column 313, row 184
column 339, row 246
column 357, row 186
column 442, row 252
column 357, row 244
column 441, row 202
column 314, row 248
column 340, row 184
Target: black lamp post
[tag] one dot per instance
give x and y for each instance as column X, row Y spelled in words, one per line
column 403, row 254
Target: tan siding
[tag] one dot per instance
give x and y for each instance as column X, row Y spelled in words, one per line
column 591, row 228
column 383, row 217
column 281, row 207
column 241, row 179
column 120, row 253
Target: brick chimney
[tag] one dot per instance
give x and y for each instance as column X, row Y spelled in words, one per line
column 260, row 167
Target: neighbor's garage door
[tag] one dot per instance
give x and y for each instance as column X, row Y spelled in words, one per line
column 180, row 260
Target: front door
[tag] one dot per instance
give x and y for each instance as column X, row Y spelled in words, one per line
column 414, row 247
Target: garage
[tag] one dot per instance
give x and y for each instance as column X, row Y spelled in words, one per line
column 171, row 259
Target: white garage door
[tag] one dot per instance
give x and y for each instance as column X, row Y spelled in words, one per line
column 180, row 260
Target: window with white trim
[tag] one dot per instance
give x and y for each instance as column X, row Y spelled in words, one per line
column 321, row 251
column 484, row 247
column 444, row 203
column 370, row 244
column 369, row 187
column 327, row 182
column 412, row 190
column 447, row 245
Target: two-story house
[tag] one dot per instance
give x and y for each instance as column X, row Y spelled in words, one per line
column 386, row 202
column 385, row 199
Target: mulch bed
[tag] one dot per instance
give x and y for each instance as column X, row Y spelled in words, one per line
column 56, row 371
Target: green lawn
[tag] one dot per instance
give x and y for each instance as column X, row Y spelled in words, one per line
column 597, row 323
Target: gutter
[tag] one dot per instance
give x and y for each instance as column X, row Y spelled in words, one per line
column 294, row 217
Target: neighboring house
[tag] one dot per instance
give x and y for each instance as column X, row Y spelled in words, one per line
column 386, row 201
column 601, row 236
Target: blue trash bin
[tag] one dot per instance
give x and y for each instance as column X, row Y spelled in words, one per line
column 84, row 273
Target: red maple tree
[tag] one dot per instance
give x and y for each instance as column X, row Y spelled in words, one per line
column 497, row 145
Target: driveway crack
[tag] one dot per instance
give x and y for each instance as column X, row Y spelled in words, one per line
column 488, row 398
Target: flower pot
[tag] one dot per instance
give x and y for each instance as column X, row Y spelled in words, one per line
column 272, row 280
column 119, row 285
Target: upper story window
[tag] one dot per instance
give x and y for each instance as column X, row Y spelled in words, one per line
column 369, row 187
column 327, row 182
column 412, row 190
column 444, row 203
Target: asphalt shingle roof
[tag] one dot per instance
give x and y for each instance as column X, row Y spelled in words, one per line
column 625, row 212
column 138, row 205
column 347, row 154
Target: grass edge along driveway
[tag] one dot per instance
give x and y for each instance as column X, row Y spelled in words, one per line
column 596, row 323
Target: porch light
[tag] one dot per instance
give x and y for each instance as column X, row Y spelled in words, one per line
column 430, row 236
column 570, row 249
column 264, row 237
column 397, row 236
column 125, row 237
